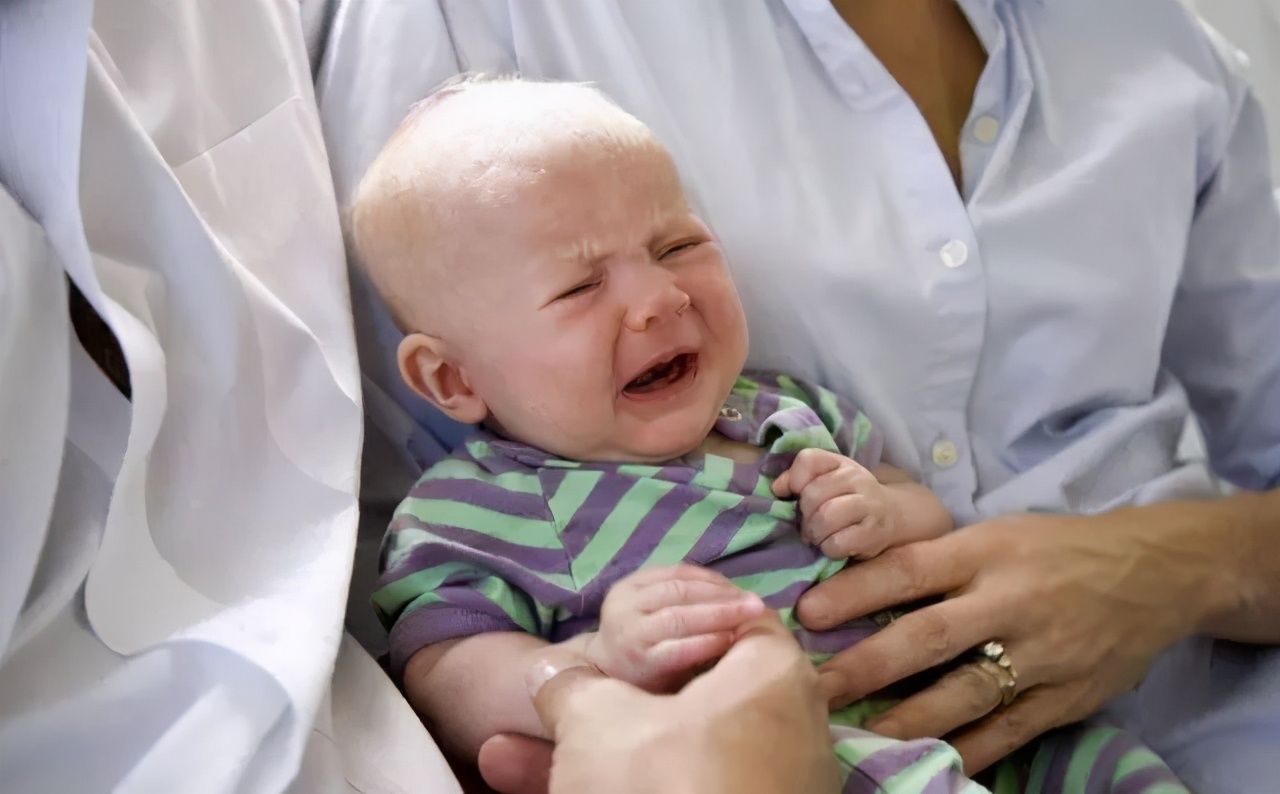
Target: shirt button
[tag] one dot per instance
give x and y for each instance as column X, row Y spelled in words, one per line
column 944, row 453
column 954, row 254
column 986, row 128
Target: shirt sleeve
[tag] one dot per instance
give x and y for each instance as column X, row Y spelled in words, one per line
column 1223, row 340
column 853, row 432
column 464, row 557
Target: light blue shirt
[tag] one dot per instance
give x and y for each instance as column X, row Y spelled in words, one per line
column 1031, row 341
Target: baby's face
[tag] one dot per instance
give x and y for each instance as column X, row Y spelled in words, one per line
column 601, row 321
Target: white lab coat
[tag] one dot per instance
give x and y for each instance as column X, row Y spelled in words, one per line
column 175, row 567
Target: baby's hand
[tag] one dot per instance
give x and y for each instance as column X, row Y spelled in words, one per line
column 659, row 625
column 845, row 511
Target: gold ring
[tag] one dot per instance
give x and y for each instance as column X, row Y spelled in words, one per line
column 994, row 661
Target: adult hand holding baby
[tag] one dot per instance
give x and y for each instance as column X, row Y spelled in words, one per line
column 1081, row 605
column 754, row 723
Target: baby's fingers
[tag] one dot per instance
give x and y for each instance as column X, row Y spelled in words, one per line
column 678, row 655
column 688, row 620
column 674, row 592
column 862, row 541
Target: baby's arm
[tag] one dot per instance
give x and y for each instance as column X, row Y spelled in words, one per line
column 657, row 627
column 469, row 689
column 850, row 511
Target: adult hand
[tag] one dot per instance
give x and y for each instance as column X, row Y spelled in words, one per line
column 756, row 722
column 1081, row 605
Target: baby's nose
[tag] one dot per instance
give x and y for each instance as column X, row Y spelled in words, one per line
column 656, row 300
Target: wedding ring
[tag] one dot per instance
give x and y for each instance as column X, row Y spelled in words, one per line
column 993, row 660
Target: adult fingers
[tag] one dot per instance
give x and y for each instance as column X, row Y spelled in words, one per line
column 703, row 618
column 1033, row 713
column 808, row 465
column 964, row 695
column 899, row 576
column 915, row 642
column 515, row 764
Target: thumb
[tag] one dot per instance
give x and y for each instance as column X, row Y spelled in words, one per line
column 782, row 485
column 514, row 764
column 554, row 690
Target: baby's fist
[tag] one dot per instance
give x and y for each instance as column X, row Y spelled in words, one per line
column 659, row 625
column 844, row 510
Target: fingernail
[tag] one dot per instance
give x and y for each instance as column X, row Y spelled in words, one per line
column 538, row 674
column 884, row 727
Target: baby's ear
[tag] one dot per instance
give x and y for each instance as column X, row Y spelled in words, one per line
column 438, row 380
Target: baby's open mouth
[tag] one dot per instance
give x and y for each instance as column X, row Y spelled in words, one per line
column 662, row 375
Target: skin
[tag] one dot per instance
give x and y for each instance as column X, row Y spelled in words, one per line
column 691, row 741
column 564, row 263
column 1082, row 604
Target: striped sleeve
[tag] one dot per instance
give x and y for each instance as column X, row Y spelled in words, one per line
column 468, row 552
column 854, row 434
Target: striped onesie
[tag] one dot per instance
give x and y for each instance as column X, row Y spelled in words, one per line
column 504, row 537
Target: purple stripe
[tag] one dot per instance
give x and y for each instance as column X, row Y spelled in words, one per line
column 884, row 764
column 429, row 625
column 787, row 596
column 947, row 781
column 835, row 640
column 722, row 529
column 429, row 555
column 1056, row 776
column 858, row 783
column 583, row 525
column 766, row 403
column 1143, row 779
column 483, row 494
column 744, row 479
column 643, row 540
column 531, row 557
column 568, row 629
column 784, row 551
column 1103, row 773
column 681, row 475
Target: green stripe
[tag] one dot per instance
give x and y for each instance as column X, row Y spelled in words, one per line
column 617, row 527
column 917, row 777
column 392, row 597
column 788, row 387
column 1135, row 760
column 503, row 596
column 454, row 469
column 829, row 410
column 573, row 491
column 861, row 432
column 766, row 583
column 689, row 529
column 855, row 749
column 756, row 527
column 638, row 470
column 746, row 388
column 1083, row 755
column 1039, row 770
column 716, row 473
column 534, row 532
column 815, row 437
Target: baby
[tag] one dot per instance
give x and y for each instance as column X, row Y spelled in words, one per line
column 633, row 494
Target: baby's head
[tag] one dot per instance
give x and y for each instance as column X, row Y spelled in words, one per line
column 535, row 244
